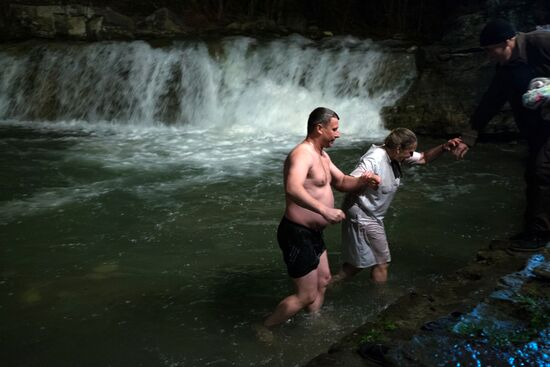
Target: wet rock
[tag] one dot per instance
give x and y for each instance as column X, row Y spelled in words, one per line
column 374, row 352
column 345, row 359
column 70, row 21
column 37, row 20
column 162, row 22
column 542, row 271
column 76, row 27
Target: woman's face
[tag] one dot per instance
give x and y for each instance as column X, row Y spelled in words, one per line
column 400, row 154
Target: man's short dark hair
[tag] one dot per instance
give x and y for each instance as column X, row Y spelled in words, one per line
column 495, row 32
column 320, row 115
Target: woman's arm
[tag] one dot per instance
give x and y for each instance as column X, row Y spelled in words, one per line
column 438, row 150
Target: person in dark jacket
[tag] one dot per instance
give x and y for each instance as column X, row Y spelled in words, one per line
column 520, row 57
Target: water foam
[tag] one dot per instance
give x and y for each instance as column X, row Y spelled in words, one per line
column 241, row 86
column 204, row 110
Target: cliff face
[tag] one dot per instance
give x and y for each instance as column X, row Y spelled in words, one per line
column 452, row 72
column 425, row 20
column 82, row 19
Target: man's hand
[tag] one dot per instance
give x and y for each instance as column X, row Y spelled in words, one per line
column 371, row 180
column 333, row 215
column 460, row 150
column 452, row 144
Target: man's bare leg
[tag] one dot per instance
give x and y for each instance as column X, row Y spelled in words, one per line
column 306, row 294
column 323, row 279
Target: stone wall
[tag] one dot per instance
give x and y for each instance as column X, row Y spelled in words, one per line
column 95, row 19
column 79, row 22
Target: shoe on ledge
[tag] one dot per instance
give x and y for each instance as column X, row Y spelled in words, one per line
column 531, row 235
column 530, row 241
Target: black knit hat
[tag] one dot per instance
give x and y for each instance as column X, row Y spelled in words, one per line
column 495, row 32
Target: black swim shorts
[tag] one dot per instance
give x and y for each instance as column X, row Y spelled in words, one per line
column 302, row 247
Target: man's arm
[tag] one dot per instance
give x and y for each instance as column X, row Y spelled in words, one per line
column 490, row 104
column 347, row 183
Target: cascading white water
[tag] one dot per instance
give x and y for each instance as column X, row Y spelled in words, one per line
column 190, row 101
column 240, row 83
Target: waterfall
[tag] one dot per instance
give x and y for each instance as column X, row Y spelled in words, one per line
column 243, row 85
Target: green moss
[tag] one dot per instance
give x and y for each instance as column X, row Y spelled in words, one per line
column 537, row 310
column 376, row 333
column 389, row 325
column 373, row 335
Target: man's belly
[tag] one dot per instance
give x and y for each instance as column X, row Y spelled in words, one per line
column 305, row 217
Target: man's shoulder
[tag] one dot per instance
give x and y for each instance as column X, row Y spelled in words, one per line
column 536, row 33
column 300, row 151
column 536, row 38
column 302, row 147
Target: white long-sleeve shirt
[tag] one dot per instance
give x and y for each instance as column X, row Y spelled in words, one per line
column 375, row 203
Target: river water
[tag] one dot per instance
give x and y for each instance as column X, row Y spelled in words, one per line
column 141, row 190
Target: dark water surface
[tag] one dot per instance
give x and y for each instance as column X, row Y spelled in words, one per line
column 118, row 249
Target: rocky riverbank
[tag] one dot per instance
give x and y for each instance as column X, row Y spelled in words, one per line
column 495, row 311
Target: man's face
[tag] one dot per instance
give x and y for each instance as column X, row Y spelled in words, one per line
column 501, row 52
column 330, row 132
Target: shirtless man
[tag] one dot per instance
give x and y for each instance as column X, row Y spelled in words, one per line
column 308, row 176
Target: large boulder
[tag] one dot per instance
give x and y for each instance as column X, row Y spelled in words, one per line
column 69, row 21
column 445, row 93
column 162, row 23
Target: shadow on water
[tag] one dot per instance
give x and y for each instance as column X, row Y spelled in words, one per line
column 120, row 316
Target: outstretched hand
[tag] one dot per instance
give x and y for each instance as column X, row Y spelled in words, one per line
column 371, row 180
column 452, row 144
column 460, row 150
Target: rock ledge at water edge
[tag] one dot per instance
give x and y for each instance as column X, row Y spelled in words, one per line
column 495, row 310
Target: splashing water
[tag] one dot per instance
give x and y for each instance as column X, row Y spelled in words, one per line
column 239, row 85
column 224, row 108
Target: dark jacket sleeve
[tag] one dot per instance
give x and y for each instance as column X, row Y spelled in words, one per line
column 490, row 104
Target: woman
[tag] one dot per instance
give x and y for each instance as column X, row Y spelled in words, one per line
column 364, row 240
